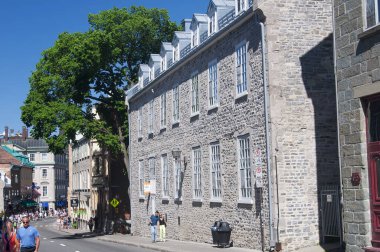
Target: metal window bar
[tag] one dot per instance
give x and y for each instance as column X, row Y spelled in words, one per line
column 163, row 110
column 195, row 94
column 213, row 85
column 152, row 169
column 197, row 173
column 141, row 178
column 185, row 50
column 165, row 176
column 146, row 82
column 330, row 211
column 226, row 19
column 157, row 72
column 176, row 104
column 245, row 168
column 177, row 179
column 215, row 169
column 203, row 37
column 241, row 69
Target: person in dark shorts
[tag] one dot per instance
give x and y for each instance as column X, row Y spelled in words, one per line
column 28, row 236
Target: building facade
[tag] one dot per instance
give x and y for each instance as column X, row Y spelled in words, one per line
column 357, row 43
column 50, row 172
column 235, row 119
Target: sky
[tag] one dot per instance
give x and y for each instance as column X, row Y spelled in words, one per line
column 29, row 27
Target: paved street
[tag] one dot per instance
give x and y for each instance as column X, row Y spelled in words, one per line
column 58, row 241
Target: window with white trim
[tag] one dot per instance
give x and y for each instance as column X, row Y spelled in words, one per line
column 245, row 184
column 213, row 83
column 151, row 116
column 163, row 65
column 241, row 68
column 372, row 13
column 44, row 156
column 177, row 179
column 195, row 37
column 44, row 191
column 216, row 177
column 141, row 178
column 31, row 157
column 44, row 173
column 176, row 53
column 139, row 122
column 241, row 5
column 163, row 110
column 194, row 94
column 212, row 23
column 176, row 104
column 165, row 175
column 152, row 168
column 197, row 173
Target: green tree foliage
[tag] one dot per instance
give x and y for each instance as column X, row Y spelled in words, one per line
column 88, row 70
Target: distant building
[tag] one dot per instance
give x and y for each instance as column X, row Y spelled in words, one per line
column 50, row 172
column 16, row 175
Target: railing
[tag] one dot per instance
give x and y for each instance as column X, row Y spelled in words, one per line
column 131, row 92
column 157, row 72
column 250, row 3
column 203, row 37
column 170, row 63
column 226, row 19
column 185, row 50
column 146, row 82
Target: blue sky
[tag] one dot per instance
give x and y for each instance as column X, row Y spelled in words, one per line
column 29, row 27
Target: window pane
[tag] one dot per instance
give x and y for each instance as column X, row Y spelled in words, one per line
column 370, row 13
column 374, row 121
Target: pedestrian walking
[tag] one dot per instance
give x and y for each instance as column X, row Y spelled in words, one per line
column 162, row 223
column 91, row 223
column 28, row 236
column 9, row 241
column 153, row 225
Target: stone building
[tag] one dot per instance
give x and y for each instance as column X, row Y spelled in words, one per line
column 357, row 42
column 235, row 119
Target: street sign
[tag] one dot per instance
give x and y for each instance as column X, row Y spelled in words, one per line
column 74, row 203
column 259, row 169
column 114, row 202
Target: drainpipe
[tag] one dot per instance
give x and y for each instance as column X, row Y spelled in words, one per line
column 341, row 229
column 267, row 138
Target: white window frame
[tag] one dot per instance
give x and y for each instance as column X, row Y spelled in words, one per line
column 197, row 173
column 212, row 23
column 176, row 53
column 141, row 179
column 163, row 63
column 213, row 94
column 216, row 174
column 245, row 169
column 44, row 175
column 195, row 37
column 163, row 111
column 241, row 69
column 151, row 116
column 44, row 156
column 175, row 97
column 194, row 94
column 44, row 191
column 139, row 122
column 376, row 10
column 165, row 176
column 32, row 157
column 177, row 179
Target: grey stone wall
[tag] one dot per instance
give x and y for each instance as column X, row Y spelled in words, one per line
column 191, row 220
column 357, row 64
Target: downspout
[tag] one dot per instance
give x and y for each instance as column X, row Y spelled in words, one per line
column 129, row 163
column 267, row 137
column 341, row 228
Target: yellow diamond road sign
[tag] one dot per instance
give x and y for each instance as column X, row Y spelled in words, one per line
column 114, row 202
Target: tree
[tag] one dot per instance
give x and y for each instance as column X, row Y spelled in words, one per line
column 88, row 70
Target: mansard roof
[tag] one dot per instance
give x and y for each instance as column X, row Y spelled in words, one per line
column 155, row 58
column 200, row 18
column 166, row 46
column 144, row 68
column 181, row 35
column 220, row 3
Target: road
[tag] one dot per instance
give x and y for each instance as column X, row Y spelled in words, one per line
column 57, row 241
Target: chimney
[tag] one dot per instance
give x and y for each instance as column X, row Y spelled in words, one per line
column 186, row 24
column 6, row 137
column 24, row 133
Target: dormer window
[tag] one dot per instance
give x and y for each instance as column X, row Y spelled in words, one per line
column 151, row 74
column 195, row 37
column 212, row 24
column 241, row 5
column 176, row 53
column 163, row 67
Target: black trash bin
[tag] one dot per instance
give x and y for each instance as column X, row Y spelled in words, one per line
column 221, row 233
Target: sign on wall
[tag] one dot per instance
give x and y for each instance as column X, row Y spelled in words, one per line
column 258, row 168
